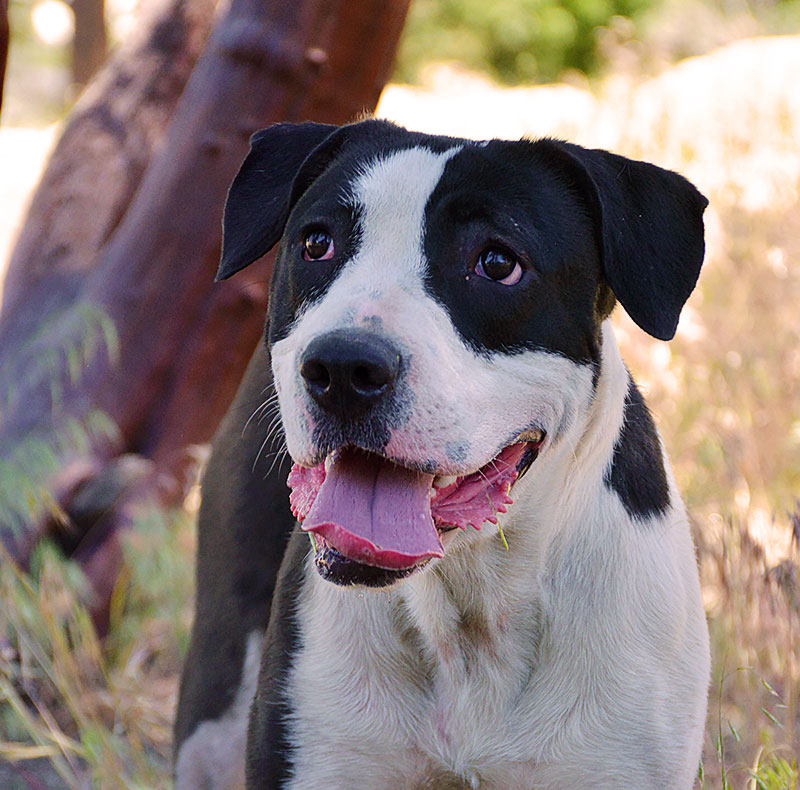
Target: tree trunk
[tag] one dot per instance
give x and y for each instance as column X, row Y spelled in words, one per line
column 181, row 342
column 98, row 165
column 4, row 36
column 89, row 45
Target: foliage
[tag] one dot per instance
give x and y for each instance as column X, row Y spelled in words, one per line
column 27, row 467
column 752, row 732
column 513, row 40
column 99, row 712
column 527, row 41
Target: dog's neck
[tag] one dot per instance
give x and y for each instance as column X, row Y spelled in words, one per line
column 470, row 604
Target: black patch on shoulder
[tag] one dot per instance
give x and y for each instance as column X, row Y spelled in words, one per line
column 637, row 473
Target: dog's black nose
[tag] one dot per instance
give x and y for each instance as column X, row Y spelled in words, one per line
column 347, row 371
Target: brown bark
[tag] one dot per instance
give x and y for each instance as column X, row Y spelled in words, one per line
column 359, row 60
column 4, row 36
column 98, row 164
column 184, row 342
column 89, row 44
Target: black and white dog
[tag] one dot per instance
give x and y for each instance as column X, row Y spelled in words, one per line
column 500, row 590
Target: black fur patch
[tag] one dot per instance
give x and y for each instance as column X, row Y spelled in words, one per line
column 513, row 196
column 268, row 749
column 637, row 473
column 244, row 525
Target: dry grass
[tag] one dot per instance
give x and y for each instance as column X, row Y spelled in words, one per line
column 100, row 713
column 725, row 393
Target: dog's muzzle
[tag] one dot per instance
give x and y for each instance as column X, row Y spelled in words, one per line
column 373, row 519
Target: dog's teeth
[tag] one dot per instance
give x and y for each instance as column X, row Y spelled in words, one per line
column 443, row 482
column 534, row 435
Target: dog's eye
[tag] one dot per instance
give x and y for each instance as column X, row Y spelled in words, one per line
column 498, row 265
column 317, row 246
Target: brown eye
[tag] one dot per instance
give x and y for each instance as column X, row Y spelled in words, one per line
column 498, row 265
column 317, row 246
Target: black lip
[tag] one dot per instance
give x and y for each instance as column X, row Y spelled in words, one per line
column 334, row 567
column 528, row 457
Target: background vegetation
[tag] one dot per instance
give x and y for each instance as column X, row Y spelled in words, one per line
column 514, row 41
column 79, row 713
column 523, row 41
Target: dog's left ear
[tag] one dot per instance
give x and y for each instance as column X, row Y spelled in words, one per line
column 650, row 231
column 258, row 201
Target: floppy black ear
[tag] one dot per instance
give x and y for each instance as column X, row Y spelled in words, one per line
column 650, row 230
column 258, row 201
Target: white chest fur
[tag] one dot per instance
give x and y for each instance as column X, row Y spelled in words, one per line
column 439, row 685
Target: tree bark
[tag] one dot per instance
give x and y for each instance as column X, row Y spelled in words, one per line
column 98, row 164
column 182, row 342
column 4, row 36
column 92, row 175
column 89, row 44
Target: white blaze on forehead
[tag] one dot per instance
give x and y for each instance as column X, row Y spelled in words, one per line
column 392, row 193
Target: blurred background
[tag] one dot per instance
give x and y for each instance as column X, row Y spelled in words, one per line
column 96, row 571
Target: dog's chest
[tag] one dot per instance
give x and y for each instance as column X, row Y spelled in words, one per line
column 378, row 703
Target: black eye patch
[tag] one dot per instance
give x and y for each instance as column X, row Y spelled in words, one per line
column 492, row 200
column 322, row 234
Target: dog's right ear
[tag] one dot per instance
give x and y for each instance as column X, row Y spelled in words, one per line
column 649, row 225
column 258, row 201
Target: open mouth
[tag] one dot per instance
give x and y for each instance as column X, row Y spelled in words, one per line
column 373, row 522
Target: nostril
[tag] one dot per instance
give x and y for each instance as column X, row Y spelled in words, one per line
column 347, row 372
column 316, row 374
column 370, row 378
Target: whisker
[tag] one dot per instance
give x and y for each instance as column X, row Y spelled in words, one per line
column 263, row 408
column 275, row 427
column 278, row 456
column 250, row 418
column 265, row 414
column 258, row 454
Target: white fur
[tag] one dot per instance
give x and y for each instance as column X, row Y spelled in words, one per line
column 579, row 658
column 592, row 671
column 213, row 755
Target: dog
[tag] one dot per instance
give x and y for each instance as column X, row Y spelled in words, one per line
column 493, row 583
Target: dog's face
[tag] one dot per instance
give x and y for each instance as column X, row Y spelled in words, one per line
column 435, row 316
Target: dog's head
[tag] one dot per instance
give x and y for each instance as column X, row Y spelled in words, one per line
column 435, row 316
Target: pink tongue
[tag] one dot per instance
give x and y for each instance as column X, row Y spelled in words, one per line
column 375, row 512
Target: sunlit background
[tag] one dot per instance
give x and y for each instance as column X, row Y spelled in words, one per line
column 711, row 89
